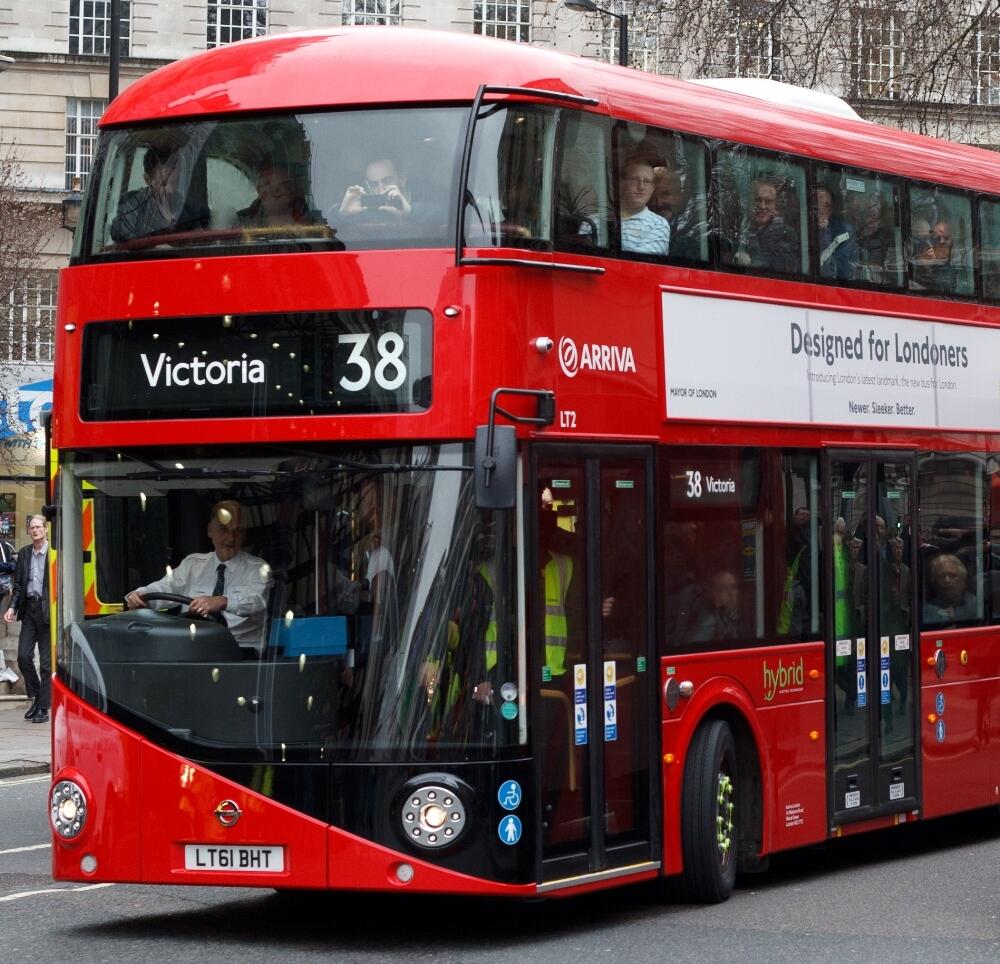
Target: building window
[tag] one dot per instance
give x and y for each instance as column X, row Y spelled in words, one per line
column 232, row 20
column 753, row 41
column 359, row 13
column 81, row 137
column 506, row 19
column 26, row 334
column 877, row 53
column 90, row 27
column 985, row 42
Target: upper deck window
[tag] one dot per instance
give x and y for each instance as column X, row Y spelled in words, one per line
column 318, row 181
column 762, row 201
column 940, row 255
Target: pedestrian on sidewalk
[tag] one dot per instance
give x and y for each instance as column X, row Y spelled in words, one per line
column 30, row 604
column 8, row 555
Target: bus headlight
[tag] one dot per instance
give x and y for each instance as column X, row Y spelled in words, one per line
column 67, row 809
column 433, row 816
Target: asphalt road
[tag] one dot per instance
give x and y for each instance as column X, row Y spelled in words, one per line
column 920, row 893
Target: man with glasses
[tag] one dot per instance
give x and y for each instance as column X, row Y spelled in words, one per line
column 768, row 242
column 384, row 194
column 30, row 605
column 643, row 232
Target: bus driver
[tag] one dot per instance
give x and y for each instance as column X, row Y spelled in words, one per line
column 226, row 581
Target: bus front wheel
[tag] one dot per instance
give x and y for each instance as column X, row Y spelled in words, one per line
column 708, row 814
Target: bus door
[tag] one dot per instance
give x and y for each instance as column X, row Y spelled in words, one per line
column 872, row 636
column 592, row 660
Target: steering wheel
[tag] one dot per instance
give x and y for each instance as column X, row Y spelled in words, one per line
column 176, row 597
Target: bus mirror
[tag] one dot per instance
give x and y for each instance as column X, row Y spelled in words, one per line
column 495, row 466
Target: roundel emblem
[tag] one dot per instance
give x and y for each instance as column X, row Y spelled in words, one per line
column 228, row 812
column 569, row 357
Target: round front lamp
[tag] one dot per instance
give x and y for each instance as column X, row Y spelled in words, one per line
column 67, row 809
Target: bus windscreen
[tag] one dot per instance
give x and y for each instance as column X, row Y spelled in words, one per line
column 320, row 181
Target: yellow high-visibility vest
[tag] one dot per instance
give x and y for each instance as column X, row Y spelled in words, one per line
column 486, row 571
column 557, row 574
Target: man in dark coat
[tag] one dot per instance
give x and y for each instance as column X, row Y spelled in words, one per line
column 30, row 604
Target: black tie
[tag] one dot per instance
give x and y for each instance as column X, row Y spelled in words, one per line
column 220, row 581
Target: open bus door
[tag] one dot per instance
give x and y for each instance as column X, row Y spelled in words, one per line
column 592, row 661
column 871, row 584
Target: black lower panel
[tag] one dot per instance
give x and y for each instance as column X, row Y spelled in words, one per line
column 368, row 801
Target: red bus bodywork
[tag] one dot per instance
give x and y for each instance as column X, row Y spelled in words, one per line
column 149, row 800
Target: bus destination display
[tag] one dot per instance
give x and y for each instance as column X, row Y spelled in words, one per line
column 303, row 363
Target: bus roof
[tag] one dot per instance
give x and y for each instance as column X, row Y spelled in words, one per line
column 354, row 66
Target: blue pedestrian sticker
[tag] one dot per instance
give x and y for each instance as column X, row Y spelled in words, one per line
column 939, row 731
column 509, row 830
column 509, row 794
column 939, row 703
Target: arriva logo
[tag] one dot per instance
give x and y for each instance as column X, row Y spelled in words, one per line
column 598, row 358
column 241, row 371
column 782, row 678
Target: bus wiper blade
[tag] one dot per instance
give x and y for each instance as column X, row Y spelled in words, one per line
column 167, row 474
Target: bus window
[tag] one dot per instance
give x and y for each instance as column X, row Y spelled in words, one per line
column 865, row 208
column 677, row 194
column 583, row 196
column 316, row 181
column 940, row 251
column 989, row 248
column 763, row 212
column 740, row 547
column 508, row 203
column 681, row 196
column 959, row 558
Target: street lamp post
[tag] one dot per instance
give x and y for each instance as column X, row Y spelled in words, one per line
column 115, row 59
column 588, row 6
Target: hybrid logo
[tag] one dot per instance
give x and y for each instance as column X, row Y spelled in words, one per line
column 783, row 678
column 242, row 371
column 594, row 357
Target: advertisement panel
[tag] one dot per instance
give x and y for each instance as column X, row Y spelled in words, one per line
column 728, row 360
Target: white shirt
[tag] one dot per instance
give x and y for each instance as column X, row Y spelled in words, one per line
column 247, row 584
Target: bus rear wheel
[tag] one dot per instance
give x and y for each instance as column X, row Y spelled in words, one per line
column 708, row 814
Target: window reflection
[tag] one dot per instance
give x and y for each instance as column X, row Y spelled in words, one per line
column 740, row 547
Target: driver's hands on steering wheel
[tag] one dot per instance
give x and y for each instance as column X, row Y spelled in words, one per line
column 198, row 606
column 207, row 605
column 134, row 601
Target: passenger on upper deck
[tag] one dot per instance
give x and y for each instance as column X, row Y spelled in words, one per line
column 835, row 237
column 684, row 214
column 279, row 201
column 767, row 241
column 227, row 582
column 385, row 191
column 931, row 254
column 643, row 232
column 163, row 205
column 876, row 245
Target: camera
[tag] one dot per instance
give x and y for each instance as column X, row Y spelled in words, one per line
column 371, row 201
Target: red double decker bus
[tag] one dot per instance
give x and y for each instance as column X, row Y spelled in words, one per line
column 606, row 465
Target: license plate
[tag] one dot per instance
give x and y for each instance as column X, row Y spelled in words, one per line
column 267, row 860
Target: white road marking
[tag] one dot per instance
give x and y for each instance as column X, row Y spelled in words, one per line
column 45, row 778
column 21, row 850
column 54, row 890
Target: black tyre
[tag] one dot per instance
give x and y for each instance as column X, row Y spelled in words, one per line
column 708, row 814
